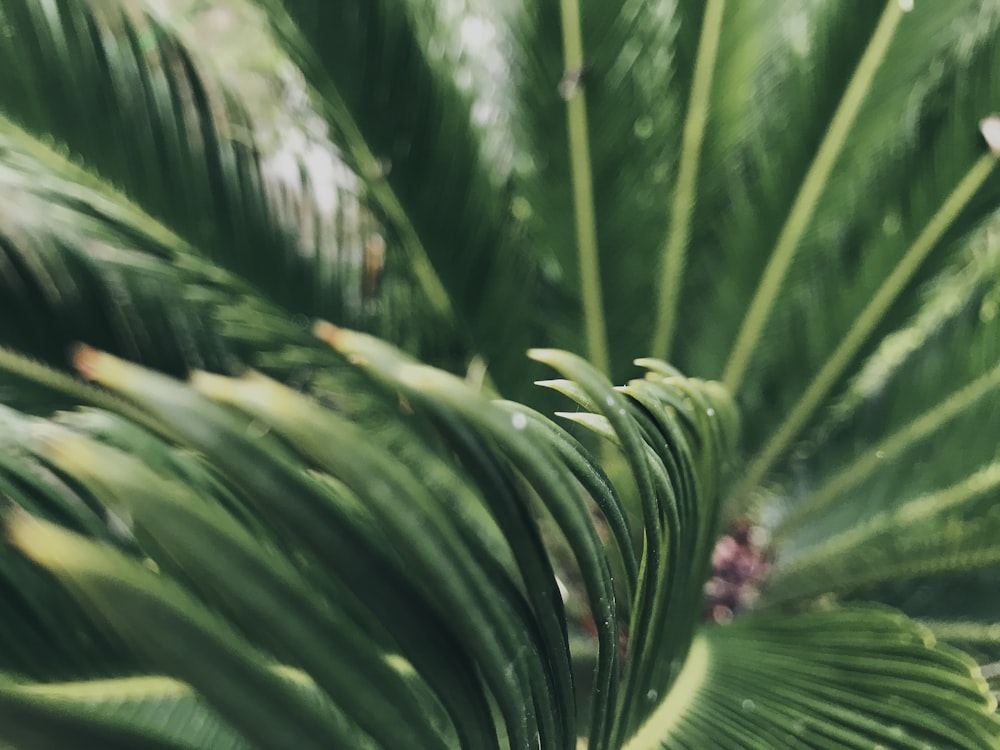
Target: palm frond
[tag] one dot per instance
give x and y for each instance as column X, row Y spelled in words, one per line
column 83, row 263
column 139, row 712
column 133, row 95
column 321, row 576
column 785, row 681
column 866, row 502
column 948, row 188
column 924, row 381
column 399, row 115
column 514, row 611
column 126, row 94
column 346, row 546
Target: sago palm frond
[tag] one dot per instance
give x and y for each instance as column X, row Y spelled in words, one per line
column 405, row 550
column 157, row 115
column 319, row 541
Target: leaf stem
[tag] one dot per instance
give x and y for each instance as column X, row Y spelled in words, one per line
column 684, row 692
column 808, row 196
column 583, row 191
column 865, row 323
column 962, row 630
column 685, row 191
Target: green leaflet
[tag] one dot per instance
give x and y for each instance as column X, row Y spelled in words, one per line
column 816, row 680
column 140, row 712
column 166, row 624
column 667, row 601
column 261, row 592
column 677, row 686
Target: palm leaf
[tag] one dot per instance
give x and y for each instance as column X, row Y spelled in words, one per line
column 347, row 546
column 100, row 269
column 868, row 501
column 932, row 212
column 131, row 92
column 258, row 575
column 398, row 115
column 812, row 695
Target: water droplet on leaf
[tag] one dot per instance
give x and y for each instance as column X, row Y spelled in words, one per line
column 643, row 128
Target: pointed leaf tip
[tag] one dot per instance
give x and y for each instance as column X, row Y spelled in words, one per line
column 85, row 359
column 326, row 331
column 541, row 355
column 106, row 369
column 990, row 128
column 51, row 439
column 47, row 544
column 207, row 383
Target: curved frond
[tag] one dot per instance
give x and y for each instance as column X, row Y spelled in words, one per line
column 490, row 628
column 819, row 679
column 136, row 95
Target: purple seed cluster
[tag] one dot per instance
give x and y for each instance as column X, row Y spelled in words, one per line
column 738, row 565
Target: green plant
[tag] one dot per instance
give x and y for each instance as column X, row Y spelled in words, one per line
column 344, row 547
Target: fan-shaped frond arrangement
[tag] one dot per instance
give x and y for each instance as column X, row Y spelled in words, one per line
column 317, row 540
column 365, row 589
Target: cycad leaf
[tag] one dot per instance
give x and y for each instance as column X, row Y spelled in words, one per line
column 363, row 571
column 127, row 90
column 139, row 98
column 83, row 263
column 936, row 533
column 930, row 379
column 189, row 641
column 665, row 426
column 272, row 603
column 821, row 680
column 35, row 641
column 917, row 407
column 895, row 244
column 404, row 125
column 143, row 712
column 155, row 712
